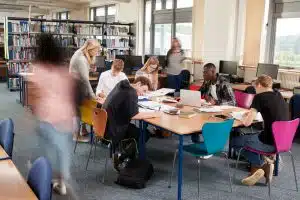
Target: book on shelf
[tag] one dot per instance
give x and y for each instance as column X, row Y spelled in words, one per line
column 23, row 26
column 15, row 68
column 116, row 30
column 116, row 43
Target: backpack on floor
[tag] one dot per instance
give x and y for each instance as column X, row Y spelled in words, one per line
column 136, row 174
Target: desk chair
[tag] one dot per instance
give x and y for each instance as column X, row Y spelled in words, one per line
column 99, row 124
column 7, row 136
column 243, row 100
column 39, row 179
column 86, row 113
column 215, row 137
column 283, row 134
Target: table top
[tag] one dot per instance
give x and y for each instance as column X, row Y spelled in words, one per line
column 285, row 93
column 3, row 154
column 183, row 126
column 12, row 184
column 93, row 78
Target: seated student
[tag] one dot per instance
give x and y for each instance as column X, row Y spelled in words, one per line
column 150, row 70
column 121, row 106
column 273, row 108
column 215, row 88
column 109, row 79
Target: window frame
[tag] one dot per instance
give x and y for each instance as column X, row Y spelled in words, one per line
column 65, row 12
column 106, row 12
column 170, row 12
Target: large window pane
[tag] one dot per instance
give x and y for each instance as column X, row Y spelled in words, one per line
column 169, row 4
column 92, row 14
column 184, row 33
column 287, row 43
column 111, row 10
column 148, row 16
column 184, row 3
column 100, row 12
column 158, row 5
column 63, row 16
column 162, row 38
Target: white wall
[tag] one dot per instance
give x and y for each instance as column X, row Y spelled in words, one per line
column 220, row 19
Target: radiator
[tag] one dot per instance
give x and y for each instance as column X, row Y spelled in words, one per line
column 289, row 80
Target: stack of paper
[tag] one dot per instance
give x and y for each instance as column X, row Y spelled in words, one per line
column 152, row 105
column 212, row 109
column 160, row 92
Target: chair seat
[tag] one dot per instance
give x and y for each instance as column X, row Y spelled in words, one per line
column 197, row 149
column 260, row 152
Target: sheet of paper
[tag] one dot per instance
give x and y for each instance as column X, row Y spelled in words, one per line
column 145, row 110
column 212, row 109
column 160, row 92
column 155, row 106
column 239, row 115
column 225, row 107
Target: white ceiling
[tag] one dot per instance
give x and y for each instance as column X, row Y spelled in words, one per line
column 45, row 6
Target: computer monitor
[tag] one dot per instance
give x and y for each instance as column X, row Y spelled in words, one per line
column 132, row 63
column 161, row 59
column 121, row 57
column 100, row 62
column 267, row 69
column 228, row 67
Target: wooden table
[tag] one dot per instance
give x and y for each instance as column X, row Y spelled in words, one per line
column 181, row 127
column 241, row 87
column 3, row 154
column 12, row 184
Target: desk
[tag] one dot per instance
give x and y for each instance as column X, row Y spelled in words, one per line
column 180, row 127
column 12, row 184
column 285, row 93
column 3, row 154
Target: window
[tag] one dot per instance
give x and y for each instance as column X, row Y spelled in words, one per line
column 162, row 39
column 63, row 15
column 184, row 3
column 184, row 33
column 103, row 14
column 163, row 22
column 287, row 42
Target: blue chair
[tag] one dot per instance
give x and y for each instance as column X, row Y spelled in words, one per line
column 40, row 177
column 7, row 136
column 215, row 137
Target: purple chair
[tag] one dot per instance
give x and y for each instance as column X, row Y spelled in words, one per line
column 243, row 100
column 283, row 134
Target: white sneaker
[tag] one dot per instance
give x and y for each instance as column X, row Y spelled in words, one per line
column 59, row 187
column 205, row 157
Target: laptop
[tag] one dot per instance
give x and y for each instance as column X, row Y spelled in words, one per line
column 190, row 98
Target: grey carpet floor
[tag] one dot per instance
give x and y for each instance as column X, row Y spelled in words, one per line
column 214, row 179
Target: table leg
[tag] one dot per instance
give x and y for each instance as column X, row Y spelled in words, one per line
column 276, row 170
column 142, row 140
column 180, row 158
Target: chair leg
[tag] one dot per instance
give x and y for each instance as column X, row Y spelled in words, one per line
column 171, row 175
column 76, row 142
column 269, row 189
column 87, row 163
column 229, row 173
column 95, row 146
column 106, row 160
column 294, row 169
column 199, row 166
column 237, row 162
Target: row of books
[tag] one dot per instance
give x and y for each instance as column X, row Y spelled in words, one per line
column 21, row 40
column 13, row 83
column 14, row 68
column 61, row 28
column 116, row 43
column 21, row 54
column 88, row 29
column 116, row 30
column 23, row 26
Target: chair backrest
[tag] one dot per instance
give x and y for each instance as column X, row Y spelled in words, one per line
column 185, row 79
column 99, row 122
column 216, row 135
column 174, row 81
column 40, row 177
column 284, row 133
column 7, row 135
column 243, row 100
column 86, row 111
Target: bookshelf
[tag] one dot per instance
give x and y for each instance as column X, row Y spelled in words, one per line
column 21, row 40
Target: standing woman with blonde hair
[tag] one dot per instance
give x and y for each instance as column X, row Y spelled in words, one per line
column 80, row 65
column 150, row 71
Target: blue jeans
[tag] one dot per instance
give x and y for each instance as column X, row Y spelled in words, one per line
column 252, row 141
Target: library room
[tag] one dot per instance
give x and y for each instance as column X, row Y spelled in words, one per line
column 149, row 99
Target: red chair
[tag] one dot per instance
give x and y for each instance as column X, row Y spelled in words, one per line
column 195, row 87
column 283, row 134
column 243, row 100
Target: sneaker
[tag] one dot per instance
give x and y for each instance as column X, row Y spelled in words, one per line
column 269, row 170
column 59, row 187
column 205, row 157
column 254, row 178
column 116, row 162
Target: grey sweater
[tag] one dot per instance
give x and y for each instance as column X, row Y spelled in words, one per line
column 80, row 66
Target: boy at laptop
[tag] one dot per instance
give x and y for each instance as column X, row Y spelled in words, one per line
column 216, row 90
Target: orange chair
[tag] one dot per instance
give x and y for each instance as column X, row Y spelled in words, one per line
column 86, row 114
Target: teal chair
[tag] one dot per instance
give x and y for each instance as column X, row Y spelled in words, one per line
column 215, row 137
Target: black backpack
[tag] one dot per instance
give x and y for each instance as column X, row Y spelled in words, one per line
column 136, row 174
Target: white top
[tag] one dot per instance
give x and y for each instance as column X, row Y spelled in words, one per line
column 214, row 92
column 107, row 82
column 80, row 66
